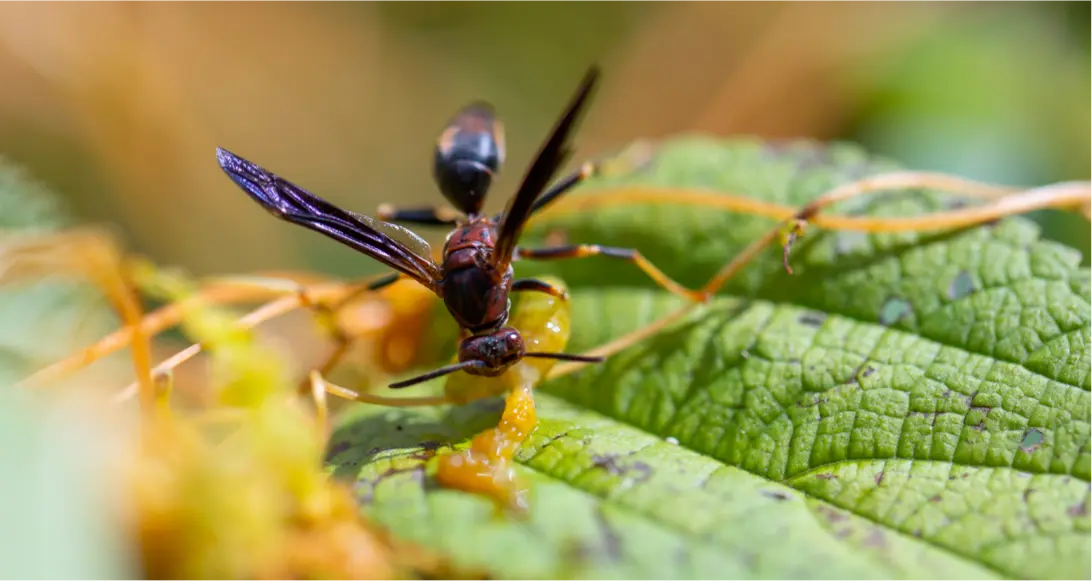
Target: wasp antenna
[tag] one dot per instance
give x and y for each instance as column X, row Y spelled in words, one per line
column 437, row 373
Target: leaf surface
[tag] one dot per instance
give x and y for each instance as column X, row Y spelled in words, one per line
column 903, row 406
column 57, row 512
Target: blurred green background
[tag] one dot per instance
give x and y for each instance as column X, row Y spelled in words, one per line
column 119, row 106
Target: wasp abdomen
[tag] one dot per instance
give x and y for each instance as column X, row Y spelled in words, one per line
column 469, row 153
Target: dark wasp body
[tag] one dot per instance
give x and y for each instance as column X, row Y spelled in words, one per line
column 475, row 276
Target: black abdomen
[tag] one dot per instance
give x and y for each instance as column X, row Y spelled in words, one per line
column 468, row 155
column 474, row 300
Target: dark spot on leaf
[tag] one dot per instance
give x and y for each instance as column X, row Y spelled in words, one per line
column 935, row 498
column 893, row 310
column 879, row 477
column 826, row 476
column 398, row 427
column 430, row 445
column 775, row 494
column 612, row 541
column 577, row 551
column 793, row 361
column 961, row 286
column 812, row 402
column 1031, row 441
column 980, row 426
column 947, row 393
column 868, row 371
column 813, row 318
column 1078, row 510
column 955, row 204
column 606, row 461
column 337, row 449
column 423, row 455
column 682, row 558
column 1027, row 493
column 832, row 516
column 917, row 533
column 644, row 470
column 639, row 471
column 875, row 539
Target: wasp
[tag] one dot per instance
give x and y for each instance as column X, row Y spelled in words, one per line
column 474, row 276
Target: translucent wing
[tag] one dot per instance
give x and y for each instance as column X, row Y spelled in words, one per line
column 407, row 237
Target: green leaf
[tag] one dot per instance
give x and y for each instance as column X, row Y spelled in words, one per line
column 58, row 510
column 904, row 406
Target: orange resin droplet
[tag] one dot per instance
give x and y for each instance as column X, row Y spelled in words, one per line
column 486, row 467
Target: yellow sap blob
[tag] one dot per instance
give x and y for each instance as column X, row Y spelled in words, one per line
column 486, row 467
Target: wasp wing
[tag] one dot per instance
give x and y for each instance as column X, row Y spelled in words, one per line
column 287, row 201
column 550, row 158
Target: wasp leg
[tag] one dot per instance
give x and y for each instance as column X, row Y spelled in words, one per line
column 587, row 170
column 636, row 156
column 628, row 254
column 428, row 216
column 625, row 341
column 535, row 285
column 1002, row 203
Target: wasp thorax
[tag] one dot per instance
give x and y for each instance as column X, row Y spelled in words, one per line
column 498, row 350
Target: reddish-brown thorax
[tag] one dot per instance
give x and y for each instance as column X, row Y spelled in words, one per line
column 474, row 291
